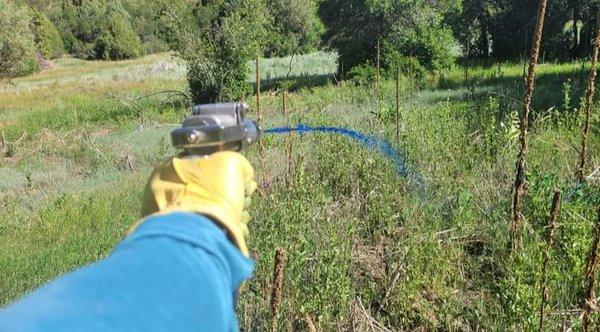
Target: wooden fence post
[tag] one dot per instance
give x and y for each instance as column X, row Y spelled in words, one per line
column 546, row 255
column 277, row 287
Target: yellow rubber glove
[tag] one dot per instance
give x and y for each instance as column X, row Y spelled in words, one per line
column 218, row 186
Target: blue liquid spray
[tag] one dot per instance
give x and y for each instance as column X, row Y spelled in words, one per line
column 370, row 142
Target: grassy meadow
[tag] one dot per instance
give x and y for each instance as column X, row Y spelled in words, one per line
column 367, row 249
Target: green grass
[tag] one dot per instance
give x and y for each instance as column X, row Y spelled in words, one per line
column 363, row 243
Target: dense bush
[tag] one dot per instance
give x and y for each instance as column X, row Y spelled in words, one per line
column 118, row 40
column 408, row 65
column 216, row 39
column 406, row 28
column 47, row 38
column 431, row 46
column 144, row 23
column 17, row 47
column 99, row 30
column 296, row 27
column 363, row 74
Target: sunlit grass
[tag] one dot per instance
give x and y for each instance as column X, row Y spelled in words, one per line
column 362, row 242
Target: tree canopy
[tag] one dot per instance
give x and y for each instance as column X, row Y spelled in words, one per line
column 216, row 39
column 17, row 46
column 403, row 29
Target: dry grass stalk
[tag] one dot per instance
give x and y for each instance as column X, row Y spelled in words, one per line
column 519, row 186
column 546, row 259
column 289, row 146
column 590, row 277
column 259, row 112
column 2, row 144
column 310, row 325
column 277, row 288
column 126, row 163
column 589, row 101
column 362, row 320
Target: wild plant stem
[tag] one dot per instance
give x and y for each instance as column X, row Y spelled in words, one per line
column 519, row 185
column 589, row 101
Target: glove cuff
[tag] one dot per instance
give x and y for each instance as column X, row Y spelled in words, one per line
column 237, row 232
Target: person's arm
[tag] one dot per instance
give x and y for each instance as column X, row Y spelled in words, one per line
column 176, row 272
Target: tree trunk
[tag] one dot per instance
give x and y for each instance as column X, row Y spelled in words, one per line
column 576, row 50
column 484, row 40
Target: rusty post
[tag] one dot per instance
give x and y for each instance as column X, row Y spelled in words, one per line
column 590, row 277
column 589, row 101
column 546, row 255
column 277, row 287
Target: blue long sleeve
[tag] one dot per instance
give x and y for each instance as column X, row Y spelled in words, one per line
column 176, row 272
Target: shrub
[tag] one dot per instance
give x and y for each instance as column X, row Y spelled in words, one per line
column 410, row 28
column 100, row 30
column 47, row 38
column 17, row 47
column 216, row 39
column 430, row 45
column 117, row 39
column 296, row 29
column 145, row 25
column 363, row 75
column 408, row 65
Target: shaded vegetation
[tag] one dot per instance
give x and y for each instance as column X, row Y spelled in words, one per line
column 47, row 38
column 216, row 39
column 17, row 47
column 99, row 30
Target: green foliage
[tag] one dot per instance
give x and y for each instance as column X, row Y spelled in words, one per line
column 296, row 28
column 407, row 65
column 99, row 30
column 363, row 75
column 145, row 23
column 17, row 46
column 431, row 46
column 216, row 39
column 504, row 28
column 47, row 38
column 365, row 246
column 403, row 28
column 118, row 40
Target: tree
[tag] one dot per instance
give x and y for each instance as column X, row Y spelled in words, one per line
column 404, row 28
column 144, row 23
column 505, row 27
column 117, row 39
column 296, row 27
column 471, row 27
column 99, row 29
column 216, row 39
column 17, row 46
column 47, row 38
